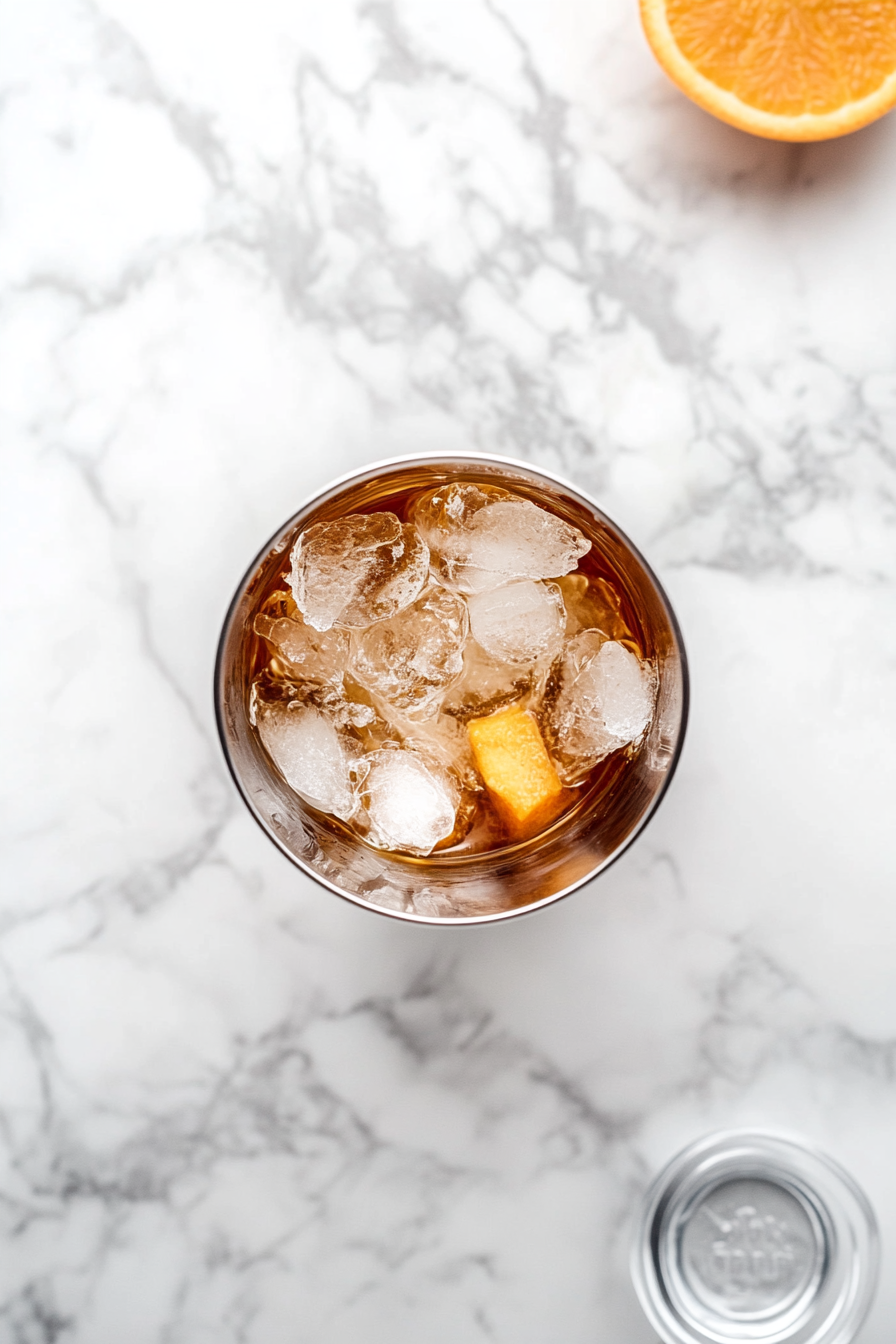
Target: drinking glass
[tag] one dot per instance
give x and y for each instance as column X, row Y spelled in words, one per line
column 465, row 888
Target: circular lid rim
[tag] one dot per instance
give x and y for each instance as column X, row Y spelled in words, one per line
column 798, row 1161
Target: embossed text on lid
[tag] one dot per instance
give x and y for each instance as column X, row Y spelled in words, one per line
column 749, row 1249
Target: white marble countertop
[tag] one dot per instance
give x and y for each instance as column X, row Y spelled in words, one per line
column 245, row 248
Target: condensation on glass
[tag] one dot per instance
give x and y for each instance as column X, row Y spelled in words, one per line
column 752, row 1237
column 469, row 888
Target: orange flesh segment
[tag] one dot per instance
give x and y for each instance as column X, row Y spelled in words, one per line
column 510, row 755
column 788, row 57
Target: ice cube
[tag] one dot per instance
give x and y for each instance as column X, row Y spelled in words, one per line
column 309, row 654
column 281, row 684
column 444, row 740
column 520, row 623
column 514, row 538
column 446, row 512
column 443, row 744
column 487, row 684
column 413, row 657
column 355, row 570
column 623, row 687
column 605, row 700
column 481, row 536
column 410, row 804
column 308, row 750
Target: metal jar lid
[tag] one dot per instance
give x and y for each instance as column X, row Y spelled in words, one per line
column 750, row 1237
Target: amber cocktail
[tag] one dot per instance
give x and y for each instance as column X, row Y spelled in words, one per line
column 450, row 689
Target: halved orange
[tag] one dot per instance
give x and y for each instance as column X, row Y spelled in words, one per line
column 785, row 69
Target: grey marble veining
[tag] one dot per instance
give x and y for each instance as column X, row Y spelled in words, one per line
column 245, row 248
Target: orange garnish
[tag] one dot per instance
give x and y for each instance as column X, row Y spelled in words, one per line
column 785, row 69
column 510, row 755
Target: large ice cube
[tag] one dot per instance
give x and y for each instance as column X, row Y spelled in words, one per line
column 411, row 658
column 514, row 538
column 487, row 684
column 359, row 569
column 444, row 740
column 605, row 701
column 481, row 536
column 281, row 684
column 520, row 623
column 307, row 749
column 624, row 689
column 410, row 803
column 309, row 654
column 444, row 746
